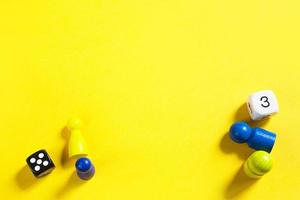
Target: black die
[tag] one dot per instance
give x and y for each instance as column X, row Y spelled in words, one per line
column 40, row 163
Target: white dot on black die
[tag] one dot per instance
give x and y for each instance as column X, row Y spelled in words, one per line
column 32, row 160
column 37, row 168
column 39, row 161
column 45, row 163
column 41, row 155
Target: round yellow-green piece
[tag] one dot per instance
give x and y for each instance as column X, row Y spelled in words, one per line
column 258, row 164
column 74, row 123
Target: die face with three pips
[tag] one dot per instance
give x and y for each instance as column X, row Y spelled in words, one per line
column 40, row 163
column 262, row 104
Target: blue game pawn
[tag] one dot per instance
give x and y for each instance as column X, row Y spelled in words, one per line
column 256, row 138
column 85, row 168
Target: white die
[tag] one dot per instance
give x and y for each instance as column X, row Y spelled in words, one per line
column 262, row 104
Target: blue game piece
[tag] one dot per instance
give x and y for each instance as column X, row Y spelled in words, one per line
column 262, row 139
column 85, row 168
column 240, row 132
column 256, row 138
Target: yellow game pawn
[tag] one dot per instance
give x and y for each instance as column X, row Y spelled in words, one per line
column 77, row 145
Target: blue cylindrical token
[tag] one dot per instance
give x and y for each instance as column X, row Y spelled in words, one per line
column 85, row 169
column 261, row 140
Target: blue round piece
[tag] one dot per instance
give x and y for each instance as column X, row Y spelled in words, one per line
column 83, row 164
column 85, row 169
column 240, row 132
column 262, row 140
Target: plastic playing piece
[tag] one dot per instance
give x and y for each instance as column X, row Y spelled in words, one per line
column 258, row 164
column 85, row 169
column 262, row 104
column 77, row 145
column 257, row 138
column 240, row 132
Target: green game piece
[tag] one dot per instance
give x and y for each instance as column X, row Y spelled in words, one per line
column 258, row 164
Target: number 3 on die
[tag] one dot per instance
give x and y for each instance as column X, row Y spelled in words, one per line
column 265, row 101
column 262, row 104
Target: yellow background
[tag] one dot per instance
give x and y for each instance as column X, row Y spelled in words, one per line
column 158, row 84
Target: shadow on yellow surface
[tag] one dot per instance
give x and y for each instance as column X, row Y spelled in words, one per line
column 243, row 115
column 229, row 147
column 72, row 183
column 239, row 184
column 25, row 179
column 65, row 161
